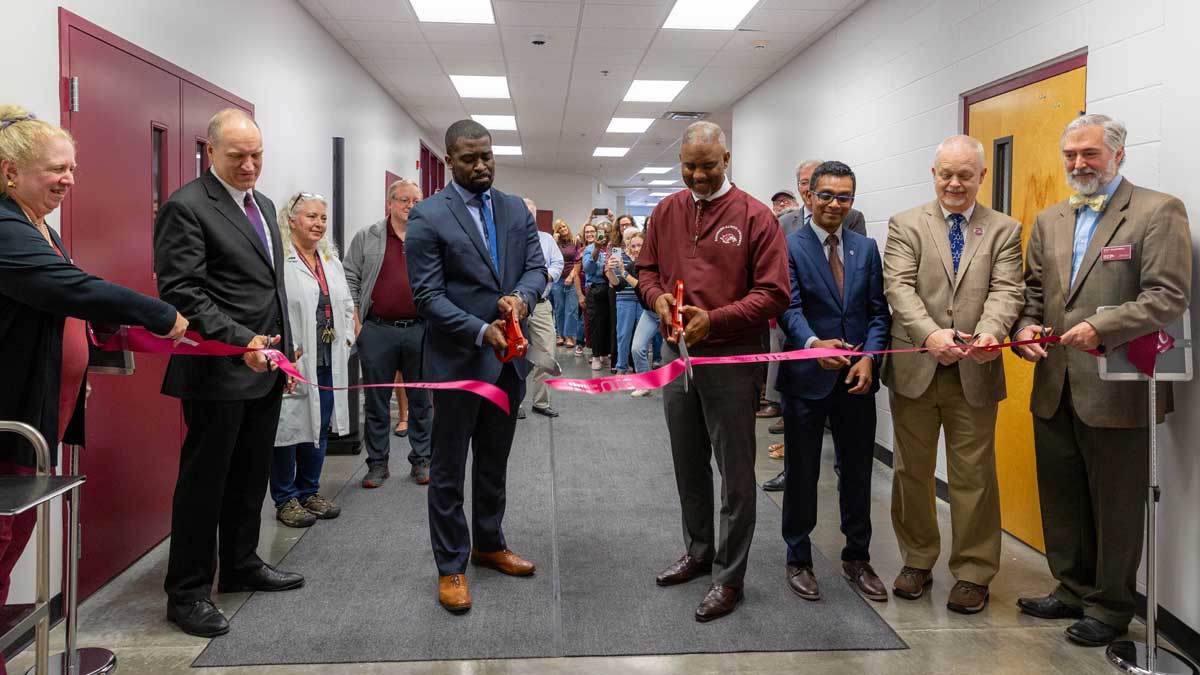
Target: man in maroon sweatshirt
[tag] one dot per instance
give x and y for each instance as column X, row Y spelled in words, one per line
column 730, row 253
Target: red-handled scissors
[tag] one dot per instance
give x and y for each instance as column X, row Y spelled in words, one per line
column 518, row 346
column 678, row 335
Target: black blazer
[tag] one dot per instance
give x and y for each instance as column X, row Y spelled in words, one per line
column 38, row 290
column 214, row 268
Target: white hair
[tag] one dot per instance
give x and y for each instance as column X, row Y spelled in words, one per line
column 629, row 232
column 1114, row 130
column 805, row 164
column 705, row 132
column 396, row 185
column 960, row 139
column 291, row 209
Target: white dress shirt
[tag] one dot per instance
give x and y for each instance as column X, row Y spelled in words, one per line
column 822, row 235
column 239, row 198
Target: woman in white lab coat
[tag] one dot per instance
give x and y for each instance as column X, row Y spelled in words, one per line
column 321, row 313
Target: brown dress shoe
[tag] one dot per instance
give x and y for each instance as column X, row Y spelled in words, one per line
column 777, row 427
column 803, row 582
column 683, row 570
column 453, row 593
column 860, row 573
column 504, row 561
column 719, row 601
column 768, row 411
column 967, row 598
column 912, row 582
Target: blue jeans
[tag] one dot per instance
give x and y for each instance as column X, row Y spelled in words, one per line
column 296, row 469
column 645, row 334
column 559, row 300
column 628, row 312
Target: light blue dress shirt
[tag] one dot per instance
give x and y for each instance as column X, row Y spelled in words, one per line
column 1085, row 226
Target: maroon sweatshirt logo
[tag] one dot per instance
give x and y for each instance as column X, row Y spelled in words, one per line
column 728, row 234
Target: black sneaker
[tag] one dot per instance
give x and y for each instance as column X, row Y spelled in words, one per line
column 420, row 473
column 376, row 474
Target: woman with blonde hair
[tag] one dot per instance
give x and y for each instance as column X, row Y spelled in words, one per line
column 321, row 313
column 566, row 312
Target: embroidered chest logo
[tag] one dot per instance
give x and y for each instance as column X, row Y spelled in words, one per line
column 729, row 235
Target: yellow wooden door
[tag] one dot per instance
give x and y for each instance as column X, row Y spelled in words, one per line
column 1032, row 118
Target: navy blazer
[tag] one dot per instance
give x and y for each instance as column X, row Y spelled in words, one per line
column 860, row 317
column 455, row 286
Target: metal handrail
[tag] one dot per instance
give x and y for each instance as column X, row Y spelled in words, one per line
column 42, row 453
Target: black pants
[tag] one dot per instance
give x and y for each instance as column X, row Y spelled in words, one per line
column 384, row 349
column 600, row 312
column 488, row 432
column 852, row 419
column 224, row 467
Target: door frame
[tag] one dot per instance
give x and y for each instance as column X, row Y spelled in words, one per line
column 1063, row 64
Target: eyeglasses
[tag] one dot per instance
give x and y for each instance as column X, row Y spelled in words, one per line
column 303, row 197
column 826, row 197
column 406, row 200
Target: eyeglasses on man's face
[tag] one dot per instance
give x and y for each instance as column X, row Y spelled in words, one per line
column 826, row 197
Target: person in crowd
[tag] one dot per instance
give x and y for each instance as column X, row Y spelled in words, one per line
column 647, row 341
column 218, row 255
column 621, row 275
column 44, row 301
column 587, row 236
column 541, row 323
column 321, row 313
column 1089, row 434
column 952, row 273
column 391, row 337
column 729, row 252
column 838, row 302
column 599, row 296
column 474, row 261
column 800, row 217
column 566, row 312
column 783, row 202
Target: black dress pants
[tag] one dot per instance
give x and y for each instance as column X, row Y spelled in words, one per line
column 224, row 468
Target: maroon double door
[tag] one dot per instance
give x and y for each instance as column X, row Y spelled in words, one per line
column 140, row 125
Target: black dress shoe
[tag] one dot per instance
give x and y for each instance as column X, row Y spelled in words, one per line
column 520, row 413
column 265, row 578
column 200, row 618
column 1049, row 607
column 1092, row 632
column 547, row 411
column 776, row 483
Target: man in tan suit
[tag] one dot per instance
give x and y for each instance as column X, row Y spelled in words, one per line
column 1111, row 245
column 952, row 273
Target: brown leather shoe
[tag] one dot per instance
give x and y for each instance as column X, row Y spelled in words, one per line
column 453, row 593
column 768, row 411
column 683, row 570
column 777, row 427
column 504, row 561
column 719, row 601
column 912, row 582
column 860, row 573
column 967, row 598
column 803, row 582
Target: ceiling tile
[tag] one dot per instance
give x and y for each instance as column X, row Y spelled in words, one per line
column 392, row 50
column 610, row 73
column 684, row 59
column 608, row 56
column 686, row 40
column 524, row 14
column 683, row 71
column 551, row 70
column 369, row 10
column 624, row 16
column 491, row 106
column 832, row 5
column 381, row 31
column 786, row 21
column 518, row 46
column 616, row 38
column 463, row 35
column 776, row 41
column 475, row 65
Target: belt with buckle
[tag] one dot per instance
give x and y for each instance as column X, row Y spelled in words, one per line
column 399, row 323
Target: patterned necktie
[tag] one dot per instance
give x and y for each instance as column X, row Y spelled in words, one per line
column 835, row 264
column 956, row 238
column 489, row 228
column 1094, row 202
column 255, row 218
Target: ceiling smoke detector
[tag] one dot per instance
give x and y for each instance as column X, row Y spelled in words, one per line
column 682, row 116
column 538, row 40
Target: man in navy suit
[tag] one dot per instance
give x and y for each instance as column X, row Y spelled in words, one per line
column 473, row 260
column 837, row 301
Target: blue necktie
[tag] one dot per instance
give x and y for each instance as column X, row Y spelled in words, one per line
column 256, row 221
column 956, row 238
column 489, row 228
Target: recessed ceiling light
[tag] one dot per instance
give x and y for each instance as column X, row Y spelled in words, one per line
column 506, row 149
column 497, row 122
column 708, row 14
column 481, row 86
column 453, row 11
column 656, row 169
column 610, row 152
column 655, row 91
column 663, row 182
column 629, row 125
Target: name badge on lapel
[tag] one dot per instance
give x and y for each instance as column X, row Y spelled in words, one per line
column 1111, row 253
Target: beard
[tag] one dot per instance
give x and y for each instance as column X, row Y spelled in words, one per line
column 1087, row 181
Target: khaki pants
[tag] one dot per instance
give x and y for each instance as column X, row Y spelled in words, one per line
column 971, row 465
column 541, row 351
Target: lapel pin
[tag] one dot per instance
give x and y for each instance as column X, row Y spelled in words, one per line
column 851, row 251
column 979, row 232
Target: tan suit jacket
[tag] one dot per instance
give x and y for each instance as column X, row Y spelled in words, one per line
column 926, row 295
column 1151, row 289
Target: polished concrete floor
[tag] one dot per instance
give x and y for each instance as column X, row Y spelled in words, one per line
column 127, row 615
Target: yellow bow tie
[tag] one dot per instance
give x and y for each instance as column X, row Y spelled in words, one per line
column 1094, row 202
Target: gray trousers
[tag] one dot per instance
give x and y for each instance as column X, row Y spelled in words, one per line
column 383, row 350
column 715, row 417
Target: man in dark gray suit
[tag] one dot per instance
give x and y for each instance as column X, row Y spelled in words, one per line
column 473, row 260
column 219, row 258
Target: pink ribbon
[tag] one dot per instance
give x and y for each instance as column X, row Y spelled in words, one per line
column 138, row 339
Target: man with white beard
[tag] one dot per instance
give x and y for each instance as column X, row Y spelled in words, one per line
column 1125, row 249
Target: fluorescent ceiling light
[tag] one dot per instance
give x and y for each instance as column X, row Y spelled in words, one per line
column 655, row 91
column 453, row 11
column 610, row 152
column 656, row 169
column 481, row 86
column 629, row 125
column 497, row 122
column 708, row 14
column 506, row 149
column 663, row 182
